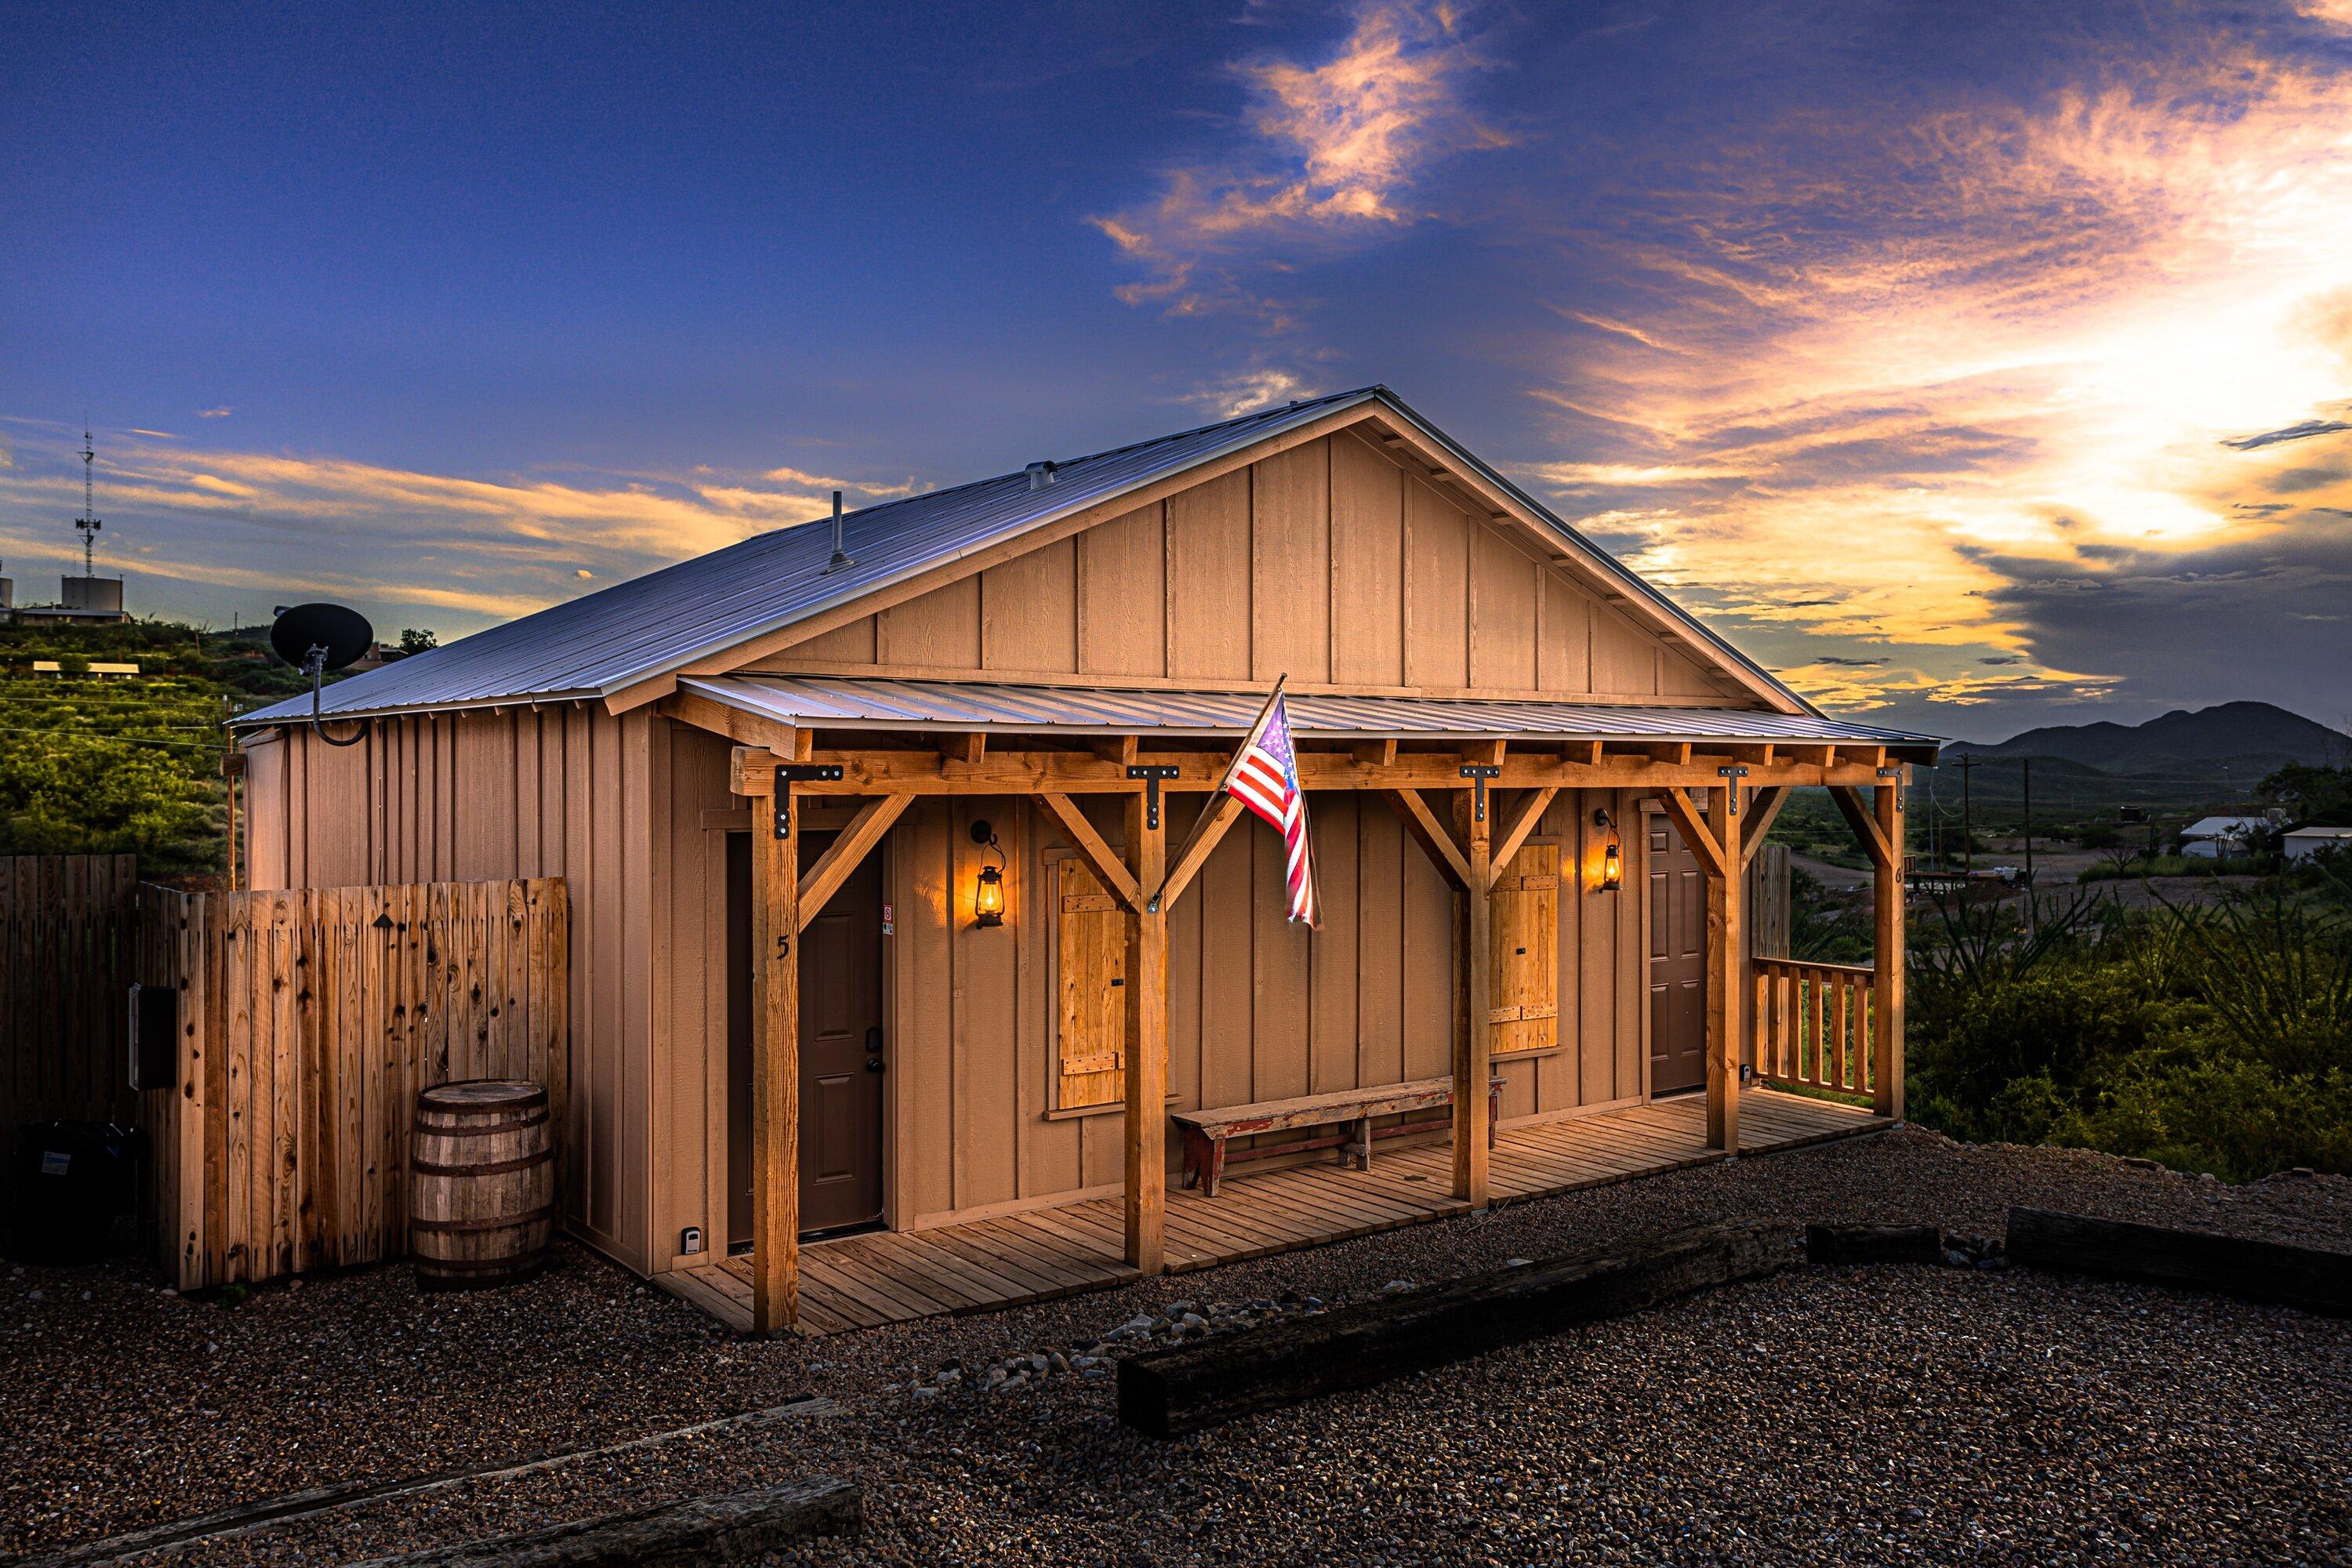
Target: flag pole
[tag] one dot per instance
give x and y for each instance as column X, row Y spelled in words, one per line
column 1263, row 715
column 1209, row 817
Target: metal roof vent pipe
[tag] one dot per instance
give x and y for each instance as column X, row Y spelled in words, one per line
column 1041, row 475
column 840, row 556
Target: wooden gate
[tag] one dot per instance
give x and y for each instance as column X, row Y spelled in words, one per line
column 67, row 938
column 308, row 1022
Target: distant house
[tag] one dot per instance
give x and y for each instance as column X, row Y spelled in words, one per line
column 2305, row 842
column 2221, row 837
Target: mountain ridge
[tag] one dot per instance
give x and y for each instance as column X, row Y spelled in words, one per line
column 2241, row 740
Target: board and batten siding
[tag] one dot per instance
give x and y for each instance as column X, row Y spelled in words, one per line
column 568, row 791
column 1258, row 1008
column 1330, row 562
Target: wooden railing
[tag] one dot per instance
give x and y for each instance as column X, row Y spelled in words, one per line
column 1811, row 1024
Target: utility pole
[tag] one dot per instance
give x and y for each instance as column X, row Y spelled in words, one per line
column 1967, row 821
column 2025, row 766
column 2025, row 770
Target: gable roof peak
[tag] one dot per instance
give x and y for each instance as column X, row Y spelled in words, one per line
column 654, row 625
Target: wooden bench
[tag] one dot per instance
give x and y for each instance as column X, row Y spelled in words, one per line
column 1205, row 1131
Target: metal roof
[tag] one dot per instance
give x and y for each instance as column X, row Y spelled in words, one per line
column 658, row 623
column 827, row 703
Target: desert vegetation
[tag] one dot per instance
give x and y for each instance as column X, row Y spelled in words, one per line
column 2213, row 1037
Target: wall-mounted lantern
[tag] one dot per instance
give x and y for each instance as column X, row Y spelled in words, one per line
column 1612, row 858
column 988, row 893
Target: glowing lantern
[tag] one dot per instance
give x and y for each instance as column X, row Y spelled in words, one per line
column 988, row 893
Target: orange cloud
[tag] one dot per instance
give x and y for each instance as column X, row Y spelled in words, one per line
column 1339, row 148
column 478, row 549
column 1876, row 380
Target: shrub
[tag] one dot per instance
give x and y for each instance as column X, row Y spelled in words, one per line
column 2214, row 1039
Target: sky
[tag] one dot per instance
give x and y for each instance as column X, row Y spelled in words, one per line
column 1973, row 367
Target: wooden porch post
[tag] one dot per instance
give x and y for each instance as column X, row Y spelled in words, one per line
column 1886, row 956
column 1473, row 978
column 775, row 1063
column 1147, row 1035
column 1726, row 971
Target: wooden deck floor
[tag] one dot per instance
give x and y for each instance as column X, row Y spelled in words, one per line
column 893, row 1275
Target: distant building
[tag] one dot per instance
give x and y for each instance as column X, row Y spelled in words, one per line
column 2305, row 842
column 2221, row 837
column 83, row 600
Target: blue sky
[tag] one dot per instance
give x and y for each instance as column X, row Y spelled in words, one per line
column 1974, row 366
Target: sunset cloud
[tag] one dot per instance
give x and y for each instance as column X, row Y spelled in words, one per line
column 244, row 527
column 1334, row 152
column 1943, row 387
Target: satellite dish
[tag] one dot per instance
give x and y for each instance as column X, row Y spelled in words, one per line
column 316, row 638
column 331, row 634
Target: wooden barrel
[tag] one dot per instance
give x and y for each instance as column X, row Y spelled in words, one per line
column 481, row 1184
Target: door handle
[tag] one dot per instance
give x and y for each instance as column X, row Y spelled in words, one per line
column 874, row 1064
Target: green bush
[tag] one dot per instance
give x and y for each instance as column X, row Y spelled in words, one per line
column 2213, row 1039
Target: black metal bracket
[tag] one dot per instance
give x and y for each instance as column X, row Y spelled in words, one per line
column 789, row 774
column 1732, row 775
column 1895, row 773
column 1478, row 774
column 1152, row 775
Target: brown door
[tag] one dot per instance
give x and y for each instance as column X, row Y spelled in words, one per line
column 1678, row 960
column 842, row 1052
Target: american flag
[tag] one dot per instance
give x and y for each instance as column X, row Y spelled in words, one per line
column 1265, row 778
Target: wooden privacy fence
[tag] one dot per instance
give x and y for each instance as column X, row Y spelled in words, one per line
column 67, row 926
column 1812, row 1024
column 308, row 1021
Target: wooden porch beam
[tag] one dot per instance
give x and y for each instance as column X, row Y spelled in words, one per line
column 1422, row 824
column 1119, row 750
column 847, row 852
column 775, row 1079
column 1523, row 823
column 1099, row 856
column 1146, row 1131
column 748, row 729
column 966, row 750
column 1695, row 832
column 1474, row 1006
column 1762, row 813
column 1206, row 833
column 1726, row 973
column 872, row 773
column 1887, row 958
column 1484, row 753
column 1866, row 826
column 1374, row 753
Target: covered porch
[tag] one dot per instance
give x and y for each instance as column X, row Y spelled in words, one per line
column 1470, row 783
column 889, row 1277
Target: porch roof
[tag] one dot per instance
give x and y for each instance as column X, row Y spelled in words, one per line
column 825, row 703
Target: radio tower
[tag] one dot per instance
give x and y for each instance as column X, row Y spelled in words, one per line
column 87, row 522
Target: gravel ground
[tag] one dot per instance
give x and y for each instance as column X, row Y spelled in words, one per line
column 1848, row 1416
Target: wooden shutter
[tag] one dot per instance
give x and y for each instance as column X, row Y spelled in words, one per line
column 1525, row 996
column 1091, row 1036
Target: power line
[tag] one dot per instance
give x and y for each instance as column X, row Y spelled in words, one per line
column 120, row 739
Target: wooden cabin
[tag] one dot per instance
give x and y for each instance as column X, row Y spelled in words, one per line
column 814, row 1083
